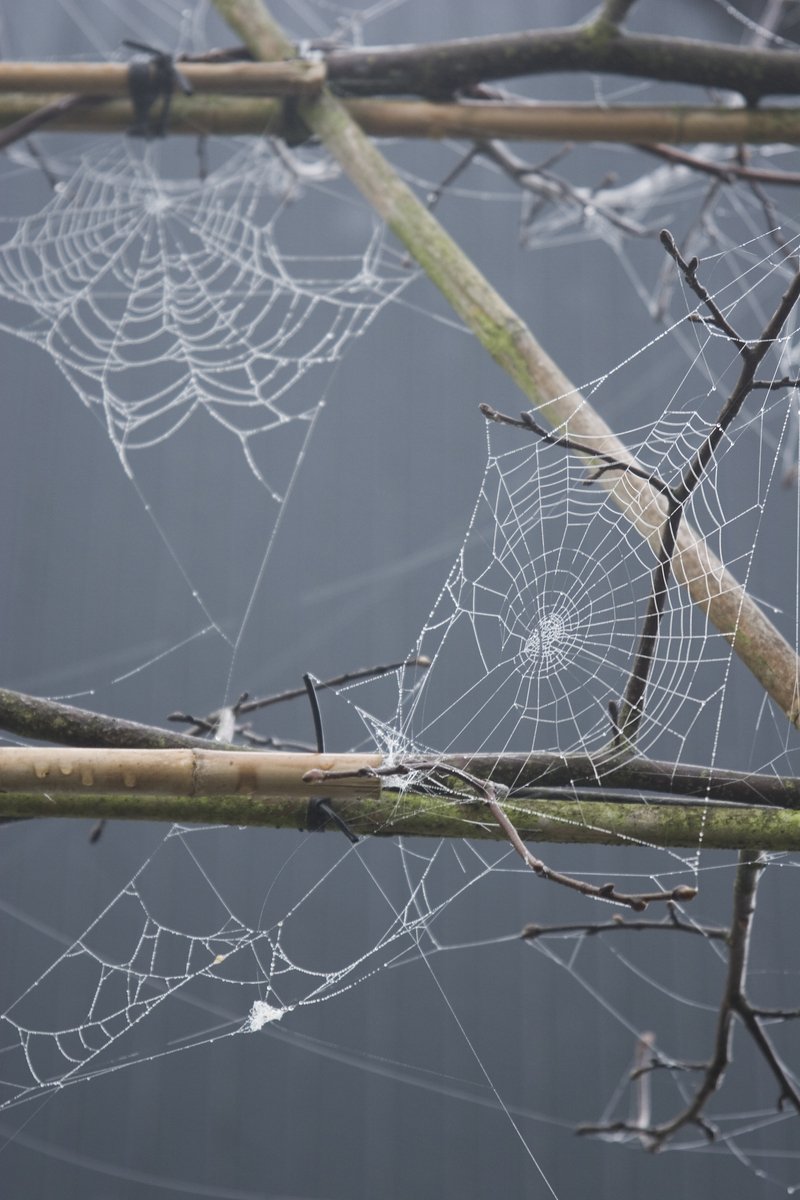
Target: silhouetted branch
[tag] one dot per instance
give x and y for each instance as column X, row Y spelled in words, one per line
column 244, row 704
column 618, row 923
column 734, row 1003
column 728, row 171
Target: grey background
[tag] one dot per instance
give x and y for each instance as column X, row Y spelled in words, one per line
column 382, row 1089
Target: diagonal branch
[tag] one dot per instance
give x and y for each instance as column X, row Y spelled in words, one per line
column 511, row 344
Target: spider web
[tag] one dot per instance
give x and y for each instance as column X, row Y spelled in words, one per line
column 165, row 300
column 162, row 300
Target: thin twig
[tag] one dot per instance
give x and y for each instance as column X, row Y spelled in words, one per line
column 734, row 1003
column 725, row 171
column 540, row 182
column 247, row 705
column 712, row 932
column 689, row 270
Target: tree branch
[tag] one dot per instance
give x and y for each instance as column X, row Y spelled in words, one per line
column 49, row 721
column 598, row 47
column 734, row 1003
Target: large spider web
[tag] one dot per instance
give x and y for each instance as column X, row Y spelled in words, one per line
column 166, row 299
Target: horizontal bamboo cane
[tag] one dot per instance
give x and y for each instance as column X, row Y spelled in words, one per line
column 217, row 113
column 268, row 789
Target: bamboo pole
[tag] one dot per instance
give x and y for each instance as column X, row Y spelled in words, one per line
column 295, row 78
column 214, row 112
column 268, row 789
column 76, row 771
column 503, row 333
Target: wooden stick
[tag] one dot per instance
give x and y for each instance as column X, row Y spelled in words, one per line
column 212, row 112
column 219, row 787
column 295, row 78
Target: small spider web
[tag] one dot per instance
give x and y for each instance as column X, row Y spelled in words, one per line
column 165, row 300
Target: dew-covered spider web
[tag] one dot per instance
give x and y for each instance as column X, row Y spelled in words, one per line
column 282, row 434
column 166, row 301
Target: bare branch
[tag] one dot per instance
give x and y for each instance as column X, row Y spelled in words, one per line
column 619, row 924
column 727, row 171
column 734, row 1003
column 246, row 705
column 598, row 47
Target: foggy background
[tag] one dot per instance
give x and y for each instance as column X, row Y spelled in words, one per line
column 395, row 1086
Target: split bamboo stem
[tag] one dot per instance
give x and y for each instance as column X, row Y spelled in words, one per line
column 267, row 789
column 246, row 111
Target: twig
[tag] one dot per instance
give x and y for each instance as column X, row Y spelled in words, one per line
column 725, row 171
column 772, row 385
column 615, row 11
column 542, row 183
column 689, row 270
column 435, row 195
column 246, row 705
column 734, row 1003
column 618, row 923
column 526, row 421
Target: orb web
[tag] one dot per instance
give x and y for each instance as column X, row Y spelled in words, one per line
column 165, row 299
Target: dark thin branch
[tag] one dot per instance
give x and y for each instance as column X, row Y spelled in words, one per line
column 29, row 124
column 246, row 705
column 773, row 385
column 696, row 235
column 526, row 421
column 583, row 771
column 712, row 932
column 788, row 1093
column 606, row 795
column 677, row 494
column 728, row 172
column 627, row 719
column 435, row 195
column 775, row 1014
column 545, row 186
column 689, row 270
column 752, row 353
column 734, row 1003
